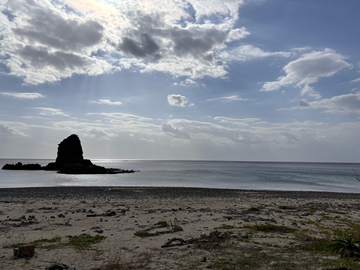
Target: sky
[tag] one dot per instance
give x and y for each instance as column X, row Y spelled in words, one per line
column 246, row 80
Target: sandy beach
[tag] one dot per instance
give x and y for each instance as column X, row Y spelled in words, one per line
column 126, row 228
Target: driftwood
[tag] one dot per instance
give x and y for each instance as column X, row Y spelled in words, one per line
column 214, row 236
column 182, row 242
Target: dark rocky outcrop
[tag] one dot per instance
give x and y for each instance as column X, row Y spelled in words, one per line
column 69, row 151
column 69, row 160
column 20, row 166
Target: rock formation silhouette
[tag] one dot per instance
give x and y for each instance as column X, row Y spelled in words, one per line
column 69, row 160
column 69, row 151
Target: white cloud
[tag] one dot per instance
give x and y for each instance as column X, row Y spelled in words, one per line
column 309, row 69
column 106, row 102
column 308, row 90
column 355, row 81
column 177, row 100
column 122, row 116
column 9, row 131
column 23, row 95
column 240, row 122
column 51, row 111
column 229, row 98
column 249, row 52
column 343, row 104
column 174, row 132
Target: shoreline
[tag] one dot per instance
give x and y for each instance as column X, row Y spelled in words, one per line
column 162, row 192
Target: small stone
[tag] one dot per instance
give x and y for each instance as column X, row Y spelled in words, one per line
column 203, row 235
column 234, row 235
column 337, row 216
column 58, row 266
column 273, row 264
column 245, row 235
column 203, row 259
column 61, row 215
column 95, row 228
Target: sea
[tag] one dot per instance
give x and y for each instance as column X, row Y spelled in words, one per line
column 288, row 176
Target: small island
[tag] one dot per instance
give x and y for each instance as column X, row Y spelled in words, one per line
column 69, row 160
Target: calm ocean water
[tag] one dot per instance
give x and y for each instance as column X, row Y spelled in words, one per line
column 334, row 177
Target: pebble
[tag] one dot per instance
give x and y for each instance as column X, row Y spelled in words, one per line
column 245, row 235
column 273, row 264
column 234, row 235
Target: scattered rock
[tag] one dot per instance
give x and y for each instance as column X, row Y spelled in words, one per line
column 234, row 235
column 245, row 235
column 61, row 215
column 59, row 266
column 203, row 259
column 24, row 251
column 274, row 264
column 110, row 213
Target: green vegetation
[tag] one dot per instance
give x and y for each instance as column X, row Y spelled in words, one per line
column 273, row 228
column 240, row 263
column 346, row 247
column 84, row 241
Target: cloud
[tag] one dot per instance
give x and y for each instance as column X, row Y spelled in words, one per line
column 343, row 104
column 229, row 98
column 51, row 111
column 44, row 43
column 9, row 131
column 123, row 116
column 173, row 132
column 47, row 41
column 23, row 95
column 355, row 81
column 177, row 100
column 249, row 52
column 96, row 132
column 146, row 47
column 308, row 90
column 309, row 69
column 240, row 122
column 106, row 102
column 303, row 103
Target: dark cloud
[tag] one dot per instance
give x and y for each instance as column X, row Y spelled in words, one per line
column 147, row 47
column 197, row 41
column 40, row 57
column 303, row 103
column 51, row 29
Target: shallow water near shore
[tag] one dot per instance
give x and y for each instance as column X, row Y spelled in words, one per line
column 330, row 177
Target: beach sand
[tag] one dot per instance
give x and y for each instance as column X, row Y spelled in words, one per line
column 285, row 229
